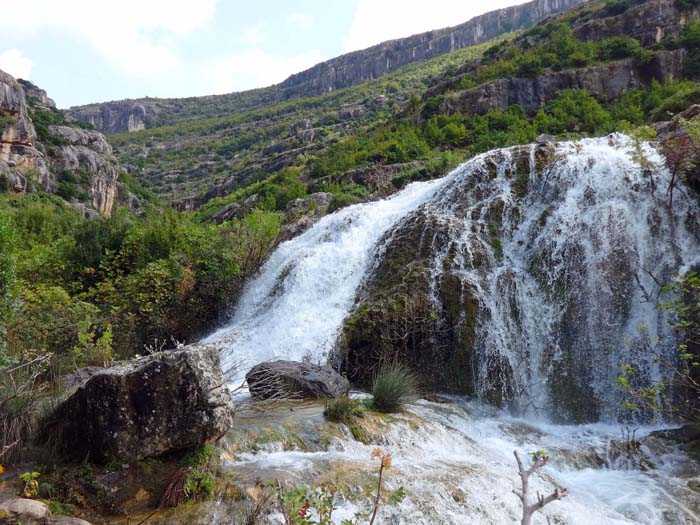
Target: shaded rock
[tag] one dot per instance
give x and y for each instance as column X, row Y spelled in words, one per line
column 291, row 379
column 80, row 376
column 146, row 407
column 301, row 214
column 25, row 511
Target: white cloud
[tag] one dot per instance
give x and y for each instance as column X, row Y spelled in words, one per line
column 254, row 35
column 132, row 34
column 375, row 22
column 254, row 68
column 16, row 64
column 301, row 21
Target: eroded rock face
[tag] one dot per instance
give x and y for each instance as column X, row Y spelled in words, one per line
column 360, row 66
column 146, row 407
column 114, row 117
column 293, row 380
column 88, row 152
column 25, row 161
column 607, row 82
column 17, row 134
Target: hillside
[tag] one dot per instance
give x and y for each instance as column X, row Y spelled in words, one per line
column 344, row 71
column 419, row 120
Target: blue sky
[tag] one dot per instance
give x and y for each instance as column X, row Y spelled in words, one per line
column 84, row 51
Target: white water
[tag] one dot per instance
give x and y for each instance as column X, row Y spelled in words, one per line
column 607, row 237
column 456, row 464
column 295, row 308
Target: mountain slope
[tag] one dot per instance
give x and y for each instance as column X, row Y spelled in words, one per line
column 346, row 70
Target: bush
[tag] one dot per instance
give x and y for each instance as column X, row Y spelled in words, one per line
column 393, row 386
column 343, row 410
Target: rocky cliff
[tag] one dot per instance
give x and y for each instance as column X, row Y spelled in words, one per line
column 53, row 154
column 360, row 66
column 346, row 70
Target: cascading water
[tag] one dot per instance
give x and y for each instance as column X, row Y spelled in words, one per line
column 566, row 259
column 563, row 247
column 295, row 308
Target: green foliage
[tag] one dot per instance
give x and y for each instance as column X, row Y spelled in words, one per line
column 343, row 410
column 199, row 485
column 88, row 290
column 573, row 111
column 198, row 457
column 690, row 38
column 7, row 273
column 394, row 385
column 31, row 484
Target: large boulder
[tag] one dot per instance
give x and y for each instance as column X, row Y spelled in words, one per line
column 146, row 407
column 294, row 380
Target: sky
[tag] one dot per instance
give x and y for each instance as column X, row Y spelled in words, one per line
column 83, row 51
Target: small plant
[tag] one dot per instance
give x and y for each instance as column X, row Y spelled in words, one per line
column 305, row 506
column 31, row 484
column 343, row 410
column 199, row 485
column 393, row 386
column 198, row 457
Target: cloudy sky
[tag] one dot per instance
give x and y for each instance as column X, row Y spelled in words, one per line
column 84, row 51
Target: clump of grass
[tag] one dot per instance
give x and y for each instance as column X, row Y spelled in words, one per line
column 394, row 386
column 343, row 410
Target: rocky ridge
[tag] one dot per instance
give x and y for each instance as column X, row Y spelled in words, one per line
column 346, row 70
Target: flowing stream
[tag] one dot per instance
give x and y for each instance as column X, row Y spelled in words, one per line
column 567, row 294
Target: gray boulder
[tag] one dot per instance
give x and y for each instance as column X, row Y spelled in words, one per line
column 294, row 380
column 24, row 511
column 146, row 407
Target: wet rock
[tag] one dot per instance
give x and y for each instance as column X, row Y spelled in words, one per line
column 24, row 511
column 146, row 407
column 301, row 214
column 294, row 380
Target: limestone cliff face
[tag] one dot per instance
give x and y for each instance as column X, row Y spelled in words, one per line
column 115, row 117
column 26, row 163
column 374, row 62
column 87, row 152
column 17, row 134
column 346, row 70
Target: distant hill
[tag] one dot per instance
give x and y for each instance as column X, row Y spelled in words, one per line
column 344, row 71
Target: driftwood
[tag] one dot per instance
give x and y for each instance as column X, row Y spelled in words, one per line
column 540, row 459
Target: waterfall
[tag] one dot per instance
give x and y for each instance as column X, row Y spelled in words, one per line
column 563, row 246
column 294, row 309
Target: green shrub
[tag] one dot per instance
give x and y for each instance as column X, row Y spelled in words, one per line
column 343, row 410
column 393, row 386
column 199, row 485
column 618, row 47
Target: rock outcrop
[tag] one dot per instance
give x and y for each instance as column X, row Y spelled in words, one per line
column 17, row 135
column 87, row 152
column 146, row 407
column 114, row 117
column 66, row 153
column 607, row 82
column 293, row 380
